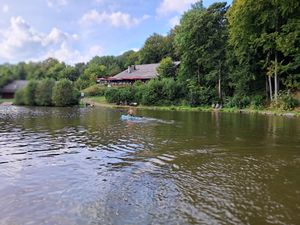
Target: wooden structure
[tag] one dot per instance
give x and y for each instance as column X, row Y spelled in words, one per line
column 9, row 90
column 134, row 73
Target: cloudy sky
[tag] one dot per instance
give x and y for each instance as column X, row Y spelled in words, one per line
column 76, row 30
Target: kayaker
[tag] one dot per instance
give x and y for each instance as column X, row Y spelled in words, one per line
column 130, row 112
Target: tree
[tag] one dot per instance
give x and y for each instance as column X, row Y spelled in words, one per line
column 43, row 93
column 257, row 30
column 129, row 58
column 30, row 92
column 166, row 68
column 69, row 72
column 6, row 75
column 64, row 94
column 153, row 50
column 201, row 41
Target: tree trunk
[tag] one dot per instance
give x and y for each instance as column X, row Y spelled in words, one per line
column 198, row 73
column 270, row 86
column 267, row 89
column 276, row 78
column 219, row 84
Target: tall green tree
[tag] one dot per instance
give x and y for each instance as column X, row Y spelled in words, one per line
column 167, row 68
column 153, row 50
column 257, row 34
column 201, row 41
column 64, row 94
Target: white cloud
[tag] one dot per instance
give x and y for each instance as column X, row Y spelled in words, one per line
column 20, row 42
column 5, row 8
column 169, row 6
column 174, row 21
column 95, row 50
column 55, row 3
column 116, row 19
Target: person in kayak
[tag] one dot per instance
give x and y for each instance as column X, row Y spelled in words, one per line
column 130, row 112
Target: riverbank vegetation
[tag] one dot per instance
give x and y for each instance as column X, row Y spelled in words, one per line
column 48, row 93
column 242, row 56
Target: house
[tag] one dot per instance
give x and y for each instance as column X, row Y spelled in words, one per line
column 9, row 90
column 134, row 73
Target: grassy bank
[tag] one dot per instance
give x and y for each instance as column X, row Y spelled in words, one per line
column 2, row 100
column 101, row 101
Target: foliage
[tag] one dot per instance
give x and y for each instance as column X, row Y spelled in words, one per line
column 201, row 41
column 155, row 92
column 238, row 101
column 157, row 47
column 124, row 95
column 264, row 37
column 167, row 68
column 43, row 92
column 285, row 101
column 257, row 102
column 6, row 75
column 30, row 93
column 199, row 95
column 239, row 56
column 64, row 94
column 129, row 58
column 95, row 90
column 20, row 97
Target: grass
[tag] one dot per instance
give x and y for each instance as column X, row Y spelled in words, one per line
column 6, row 100
column 101, row 101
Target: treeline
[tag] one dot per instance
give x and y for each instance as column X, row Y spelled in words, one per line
column 48, row 93
column 246, row 55
column 243, row 55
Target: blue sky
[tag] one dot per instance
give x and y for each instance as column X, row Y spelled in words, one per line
column 76, row 30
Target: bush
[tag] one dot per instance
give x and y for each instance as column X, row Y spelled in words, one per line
column 112, row 95
column 240, row 102
column 123, row 95
column 285, row 101
column 199, row 96
column 43, row 94
column 20, row 97
column 64, row 94
column 153, row 93
column 29, row 93
column 166, row 68
column 257, row 101
column 95, row 90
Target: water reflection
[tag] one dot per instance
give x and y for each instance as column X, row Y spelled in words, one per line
column 85, row 166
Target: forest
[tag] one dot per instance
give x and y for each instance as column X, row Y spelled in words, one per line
column 243, row 55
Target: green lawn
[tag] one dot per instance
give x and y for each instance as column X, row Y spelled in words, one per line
column 6, row 100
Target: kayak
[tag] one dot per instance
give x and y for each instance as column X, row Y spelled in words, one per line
column 131, row 118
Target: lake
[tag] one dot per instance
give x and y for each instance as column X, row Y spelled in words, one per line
column 86, row 166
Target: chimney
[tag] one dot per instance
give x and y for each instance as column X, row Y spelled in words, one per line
column 129, row 69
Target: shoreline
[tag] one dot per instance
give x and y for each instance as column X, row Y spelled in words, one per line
column 101, row 102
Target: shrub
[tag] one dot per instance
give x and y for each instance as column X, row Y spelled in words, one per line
column 19, row 97
column 257, row 101
column 198, row 95
column 240, row 102
column 43, row 94
column 95, row 90
column 285, row 101
column 64, row 94
column 166, row 68
column 153, row 93
column 29, row 93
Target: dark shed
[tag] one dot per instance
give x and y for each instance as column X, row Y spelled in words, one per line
column 9, row 90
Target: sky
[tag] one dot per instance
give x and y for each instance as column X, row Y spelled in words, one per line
column 76, row 30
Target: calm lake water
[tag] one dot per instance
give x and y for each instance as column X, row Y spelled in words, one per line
column 86, row 166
